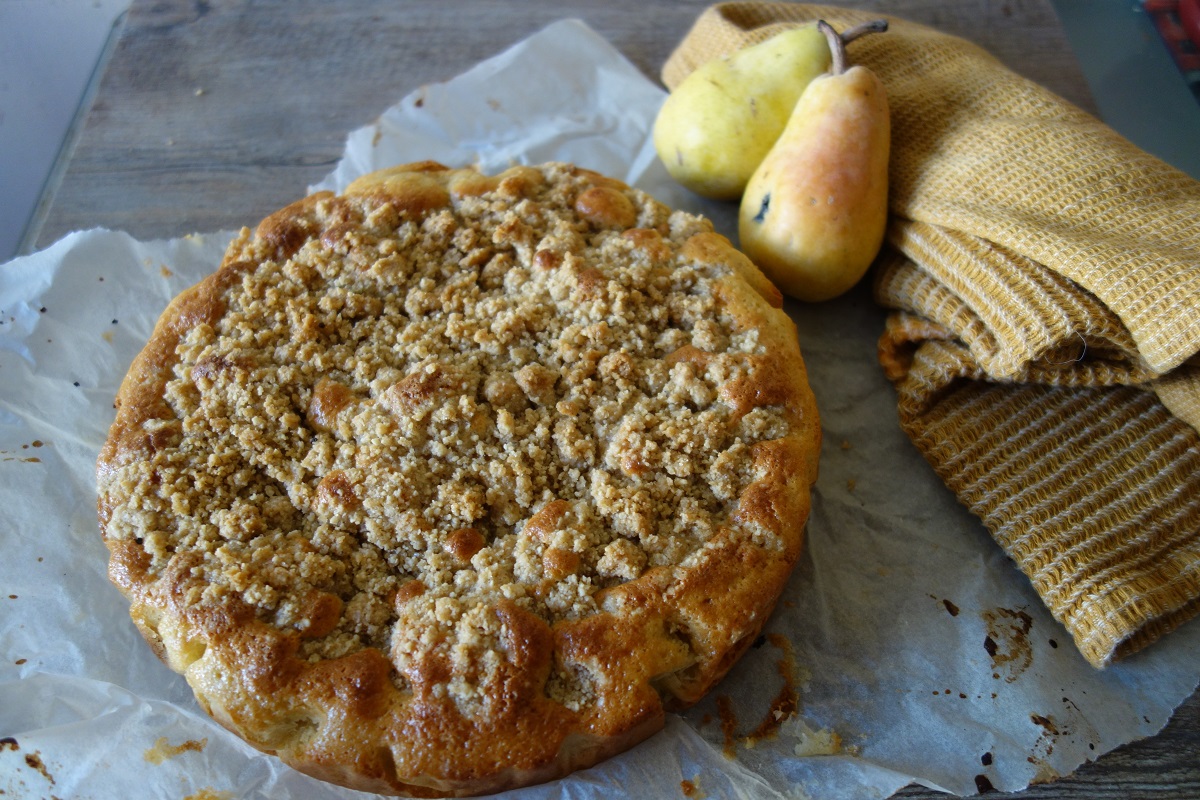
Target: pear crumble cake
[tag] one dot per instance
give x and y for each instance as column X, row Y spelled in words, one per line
column 456, row 483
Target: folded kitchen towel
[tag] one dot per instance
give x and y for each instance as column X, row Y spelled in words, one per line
column 1044, row 276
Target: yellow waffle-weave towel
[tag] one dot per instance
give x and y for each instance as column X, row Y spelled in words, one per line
column 1045, row 280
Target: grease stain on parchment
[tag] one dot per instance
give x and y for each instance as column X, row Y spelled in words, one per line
column 1007, row 642
column 34, row 762
column 782, row 717
column 33, row 759
column 163, row 749
column 210, row 794
column 1068, row 728
column 691, row 789
column 783, row 707
column 1043, row 748
column 13, row 456
column 786, row 702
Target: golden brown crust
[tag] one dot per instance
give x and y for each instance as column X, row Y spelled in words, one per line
column 456, row 483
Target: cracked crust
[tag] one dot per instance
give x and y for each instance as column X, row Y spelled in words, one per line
column 456, row 483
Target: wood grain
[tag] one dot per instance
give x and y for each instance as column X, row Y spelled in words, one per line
column 210, row 114
column 213, row 113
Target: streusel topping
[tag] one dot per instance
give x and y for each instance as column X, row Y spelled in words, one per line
column 507, row 389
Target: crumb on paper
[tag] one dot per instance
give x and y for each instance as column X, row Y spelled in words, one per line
column 691, row 789
column 163, row 749
column 813, row 742
column 210, row 794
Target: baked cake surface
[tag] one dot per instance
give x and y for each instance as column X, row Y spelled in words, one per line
column 455, row 483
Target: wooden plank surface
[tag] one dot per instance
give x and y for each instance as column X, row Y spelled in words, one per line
column 213, row 113
column 209, row 115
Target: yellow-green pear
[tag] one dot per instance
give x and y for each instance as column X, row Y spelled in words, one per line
column 813, row 214
column 721, row 120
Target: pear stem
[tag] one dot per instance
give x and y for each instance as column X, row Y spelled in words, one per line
column 837, row 47
column 837, row 44
column 863, row 28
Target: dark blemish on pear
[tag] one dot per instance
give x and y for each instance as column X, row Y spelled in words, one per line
column 762, row 209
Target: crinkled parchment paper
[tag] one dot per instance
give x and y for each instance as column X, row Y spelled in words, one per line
column 906, row 648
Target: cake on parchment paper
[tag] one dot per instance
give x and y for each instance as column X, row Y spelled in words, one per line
column 456, row 483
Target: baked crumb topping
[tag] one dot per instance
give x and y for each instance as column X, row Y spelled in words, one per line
column 514, row 390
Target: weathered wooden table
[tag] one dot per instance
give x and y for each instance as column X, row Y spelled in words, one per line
column 207, row 114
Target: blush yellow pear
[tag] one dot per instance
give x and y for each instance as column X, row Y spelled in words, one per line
column 814, row 211
column 719, row 123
